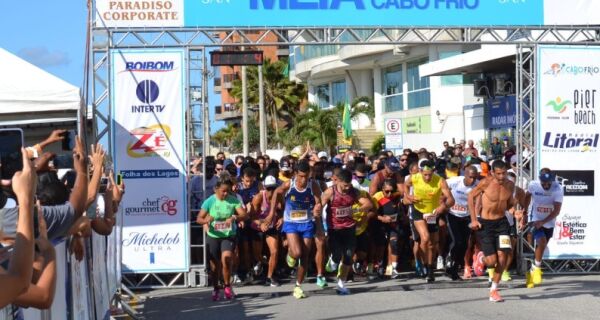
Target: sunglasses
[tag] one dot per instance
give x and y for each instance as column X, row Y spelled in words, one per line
column 239, row 163
column 388, row 191
column 218, row 169
column 361, row 177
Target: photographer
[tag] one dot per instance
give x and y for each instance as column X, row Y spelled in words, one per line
column 16, row 279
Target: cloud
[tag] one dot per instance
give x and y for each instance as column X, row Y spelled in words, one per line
column 42, row 57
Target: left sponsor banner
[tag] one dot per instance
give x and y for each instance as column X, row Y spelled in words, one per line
column 132, row 13
column 568, row 142
column 148, row 101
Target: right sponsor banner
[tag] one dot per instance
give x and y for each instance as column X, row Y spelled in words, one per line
column 567, row 141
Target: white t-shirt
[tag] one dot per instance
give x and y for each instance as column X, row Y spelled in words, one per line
column 542, row 201
column 460, row 192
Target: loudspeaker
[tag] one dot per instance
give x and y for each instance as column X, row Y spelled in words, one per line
column 481, row 88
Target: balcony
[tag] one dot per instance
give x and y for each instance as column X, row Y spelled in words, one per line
column 217, row 85
column 226, row 112
column 228, row 80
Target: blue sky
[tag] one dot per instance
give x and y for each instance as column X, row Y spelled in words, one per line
column 51, row 35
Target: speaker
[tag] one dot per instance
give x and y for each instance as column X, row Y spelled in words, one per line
column 481, row 88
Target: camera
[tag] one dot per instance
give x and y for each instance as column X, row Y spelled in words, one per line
column 103, row 184
column 68, row 142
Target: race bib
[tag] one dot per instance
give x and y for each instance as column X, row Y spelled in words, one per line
column 504, row 242
column 343, row 212
column 430, row 218
column 457, row 208
column 299, row 215
column 394, row 217
column 222, row 226
column 544, row 210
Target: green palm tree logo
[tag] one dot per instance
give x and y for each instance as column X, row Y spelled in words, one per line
column 559, row 105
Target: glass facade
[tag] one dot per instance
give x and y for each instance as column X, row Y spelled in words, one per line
column 338, row 92
column 393, row 89
column 418, row 87
column 417, row 93
column 322, row 94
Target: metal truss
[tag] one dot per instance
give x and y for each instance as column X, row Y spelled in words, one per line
column 189, row 37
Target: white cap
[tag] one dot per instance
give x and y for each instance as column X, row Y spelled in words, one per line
column 270, row 181
column 483, row 157
column 478, row 167
column 322, row 154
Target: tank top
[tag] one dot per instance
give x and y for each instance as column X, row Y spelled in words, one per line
column 265, row 209
column 340, row 209
column 429, row 193
column 460, row 192
column 248, row 194
column 299, row 204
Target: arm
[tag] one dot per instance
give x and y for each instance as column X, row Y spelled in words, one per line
column 97, row 160
column 277, row 198
column 365, row 204
column 476, row 192
column 399, row 185
column 241, row 214
column 374, row 183
column 18, row 276
column 448, row 199
column 55, row 136
column 408, row 198
column 318, row 209
column 326, row 196
column 79, row 193
column 204, row 217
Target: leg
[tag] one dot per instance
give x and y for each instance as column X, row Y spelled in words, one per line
column 226, row 263
column 320, row 243
column 425, row 244
column 304, row 256
column 273, row 244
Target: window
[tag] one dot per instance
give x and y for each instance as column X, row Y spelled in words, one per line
column 393, row 89
column 322, row 93
column 418, row 87
column 338, row 92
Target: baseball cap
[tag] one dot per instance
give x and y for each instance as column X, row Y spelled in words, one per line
column 336, row 160
column 505, row 138
column 270, row 181
column 393, row 164
column 479, row 169
column 285, row 166
column 546, row 177
column 322, row 154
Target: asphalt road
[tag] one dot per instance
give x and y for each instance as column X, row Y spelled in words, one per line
column 559, row 297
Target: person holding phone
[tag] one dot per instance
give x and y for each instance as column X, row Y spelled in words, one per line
column 16, row 279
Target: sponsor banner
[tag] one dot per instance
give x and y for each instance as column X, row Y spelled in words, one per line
column 568, row 139
column 314, row 13
column 148, row 103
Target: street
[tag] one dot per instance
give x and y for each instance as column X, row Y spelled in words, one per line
column 559, row 297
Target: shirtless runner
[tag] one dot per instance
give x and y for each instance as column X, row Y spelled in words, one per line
column 493, row 229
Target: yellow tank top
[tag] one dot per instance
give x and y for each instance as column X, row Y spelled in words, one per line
column 428, row 193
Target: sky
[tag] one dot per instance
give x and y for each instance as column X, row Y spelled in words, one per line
column 51, row 35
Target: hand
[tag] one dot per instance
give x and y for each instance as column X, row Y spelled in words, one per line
column 475, row 225
column 240, row 224
column 24, row 183
column 264, row 227
column 42, row 163
column 279, row 224
column 55, row 136
column 97, row 157
column 117, row 191
column 76, row 248
column 386, row 219
column 79, row 157
column 409, row 199
column 538, row 224
column 42, row 241
column 518, row 214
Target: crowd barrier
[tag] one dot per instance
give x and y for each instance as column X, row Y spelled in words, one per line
column 84, row 289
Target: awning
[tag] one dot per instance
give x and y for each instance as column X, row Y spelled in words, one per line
column 490, row 58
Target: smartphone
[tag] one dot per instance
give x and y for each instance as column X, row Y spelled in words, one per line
column 68, row 142
column 103, row 184
column 11, row 159
column 119, row 180
column 63, row 161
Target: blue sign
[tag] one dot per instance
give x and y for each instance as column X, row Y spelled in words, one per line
column 502, row 112
column 290, row 13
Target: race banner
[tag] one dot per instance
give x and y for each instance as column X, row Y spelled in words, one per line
column 567, row 140
column 148, row 105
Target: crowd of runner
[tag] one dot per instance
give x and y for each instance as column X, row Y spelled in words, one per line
column 374, row 217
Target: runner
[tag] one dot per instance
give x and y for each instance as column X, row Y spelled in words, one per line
column 459, row 218
column 427, row 206
column 361, row 180
column 493, row 230
column 261, row 231
column 546, row 197
column 391, row 170
column 520, row 198
column 341, row 226
column 301, row 200
column 220, row 212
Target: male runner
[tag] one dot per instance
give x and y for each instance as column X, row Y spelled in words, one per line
column 547, row 196
column 493, row 229
column 391, row 170
column 428, row 189
column 341, row 225
column 301, row 200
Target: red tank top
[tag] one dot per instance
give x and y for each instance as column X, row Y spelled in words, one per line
column 340, row 209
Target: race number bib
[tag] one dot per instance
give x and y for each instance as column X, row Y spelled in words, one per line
column 544, row 210
column 343, row 212
column 458, row 209
column 504, row 242
column 430, row 218
column 299, row 215
column 222, row 226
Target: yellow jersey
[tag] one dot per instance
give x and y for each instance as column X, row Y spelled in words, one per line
column 428, row 194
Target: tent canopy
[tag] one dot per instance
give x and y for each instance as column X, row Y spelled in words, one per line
column 28, row 90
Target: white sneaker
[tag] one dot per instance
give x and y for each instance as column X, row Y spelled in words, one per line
column 440, row 263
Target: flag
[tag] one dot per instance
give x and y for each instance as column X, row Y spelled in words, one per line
column 347, row 125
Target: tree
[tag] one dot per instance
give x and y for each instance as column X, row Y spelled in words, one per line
column 360, row 105
column 282, row 97
column 226, row 135
column 318, row 126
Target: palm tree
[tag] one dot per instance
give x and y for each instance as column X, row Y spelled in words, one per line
column 360, row 105
column 282, row 97
column 226, row 135
column 316, row 125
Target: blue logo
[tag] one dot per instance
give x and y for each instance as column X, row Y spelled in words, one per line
column 149, row 66
column 147, row 91
column 574, row 142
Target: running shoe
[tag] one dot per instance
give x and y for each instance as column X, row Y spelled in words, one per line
column 440, row 263
column 419, row 269
column 495, row 296
column 506, row 276
column 528, row 280
column 430, row 275
column 395, row 274
column 452, row 273
column 215, row 295
column 258, row 269
column 321, row 282
column 229, row 293
column 357, row 268
column 478, row 265
column 236, row 280
column 248, row 279
column 272, row 282
column 299, row 293
column 468, row 273
column 291, row 262
column 331, row 266
column 342, row 291
column 536, row 275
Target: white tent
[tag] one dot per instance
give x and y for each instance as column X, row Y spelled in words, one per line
column 30, row 95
